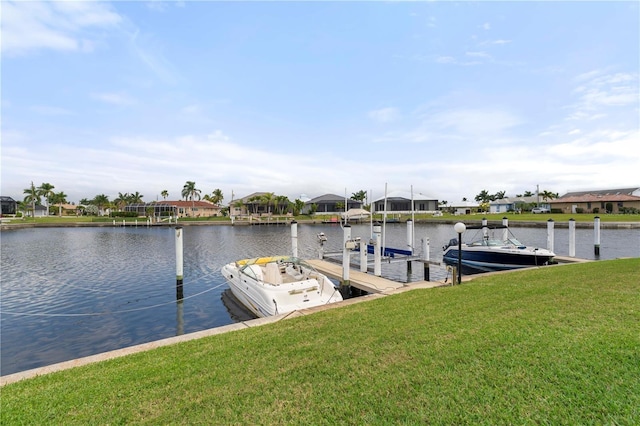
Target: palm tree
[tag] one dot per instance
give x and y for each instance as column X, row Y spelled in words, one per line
column 59, row 199
column 135, row 198
column 23, row 207
column 298, row 205
column 164, row 194
column 483, row 196
column 100, row 201
column 359, row 196
column 121, row 200
column 548, row 195
column 189, row 191
column 33, row 197
column 46, row 190
column 267, row 198
column 216, row 196
column 254, row 201
column 281, row 202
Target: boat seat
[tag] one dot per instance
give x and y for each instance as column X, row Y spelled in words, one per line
column 272, row 275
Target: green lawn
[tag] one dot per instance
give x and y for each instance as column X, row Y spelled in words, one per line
column 556, row 345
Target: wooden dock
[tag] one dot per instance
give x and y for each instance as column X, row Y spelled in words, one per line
column 367, row 282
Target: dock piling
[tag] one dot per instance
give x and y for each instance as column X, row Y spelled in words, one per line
column 179, row 263
column 346, row 260
column 572, row 237
column 425, row 258
column 294, row 238
column 550, row 234
column 505, row 231
column 596, row 236
column 377, row 258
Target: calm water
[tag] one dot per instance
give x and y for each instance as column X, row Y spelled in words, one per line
column 74, row 292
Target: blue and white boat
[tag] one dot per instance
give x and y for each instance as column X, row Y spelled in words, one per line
column 489, row 254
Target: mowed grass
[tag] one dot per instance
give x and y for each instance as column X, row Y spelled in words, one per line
column 556, row 345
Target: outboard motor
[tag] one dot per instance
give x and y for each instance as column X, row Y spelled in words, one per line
column 452, row 243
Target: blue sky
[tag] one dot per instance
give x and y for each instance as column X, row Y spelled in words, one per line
column 450, row 98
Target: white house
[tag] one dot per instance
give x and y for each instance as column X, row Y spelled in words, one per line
column 463, row 207
column 400, row 202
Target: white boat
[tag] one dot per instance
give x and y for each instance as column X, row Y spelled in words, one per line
column 356, row 214
column 276, row 285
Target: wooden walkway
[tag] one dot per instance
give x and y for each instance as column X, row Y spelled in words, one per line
column 367, row 282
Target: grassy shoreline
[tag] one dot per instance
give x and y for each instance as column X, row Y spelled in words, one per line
column 556, row 345
column 561, row 220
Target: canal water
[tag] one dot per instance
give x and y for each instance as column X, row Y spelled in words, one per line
column 73, row 292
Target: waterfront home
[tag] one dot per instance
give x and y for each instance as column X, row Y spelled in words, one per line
column 329, row 204
column 399, row 202
column 463, row 207
column 176, row 208
column 515, row 204
column 65, row 209
column 8, row 206
column 623, row 200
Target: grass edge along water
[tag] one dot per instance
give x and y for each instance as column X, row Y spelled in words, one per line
column 551, row 345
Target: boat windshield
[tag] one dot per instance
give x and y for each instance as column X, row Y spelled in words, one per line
column 492, row 243
column 514, row 242
column 250, row 266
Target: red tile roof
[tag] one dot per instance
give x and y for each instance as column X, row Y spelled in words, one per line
column 595, row 198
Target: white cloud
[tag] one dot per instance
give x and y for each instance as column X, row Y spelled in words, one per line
column 120, row 98
column 487, row 122
column 478, row 54
column 486, row 26
column 445, row 60
column 599, row 92
column 29, row 26
column 50, row 110
column 385, row 115
column 498, row 42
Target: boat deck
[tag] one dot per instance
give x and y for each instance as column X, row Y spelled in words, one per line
column 367, row 282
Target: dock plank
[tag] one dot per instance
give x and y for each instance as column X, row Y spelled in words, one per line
column 364, row 281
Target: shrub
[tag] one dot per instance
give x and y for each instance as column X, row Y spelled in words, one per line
column 124, row 214
column 596, row 210
column 579, row 210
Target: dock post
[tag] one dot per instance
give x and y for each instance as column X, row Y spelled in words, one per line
column 505, row 231
column 425, row 258
column 410, row 235
column 572, row 238
column 363, row 256
column 550, row 234
column 377, row 259
column 485, row 230
column 346, row 260
column 596, row 236
column 179, row 263
column 294, row 238
column 114, row 222
column 123, row 223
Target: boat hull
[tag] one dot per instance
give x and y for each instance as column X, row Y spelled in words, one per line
column 264, row 299
column 475, row 261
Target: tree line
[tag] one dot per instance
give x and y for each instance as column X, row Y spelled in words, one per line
column 34, row 196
